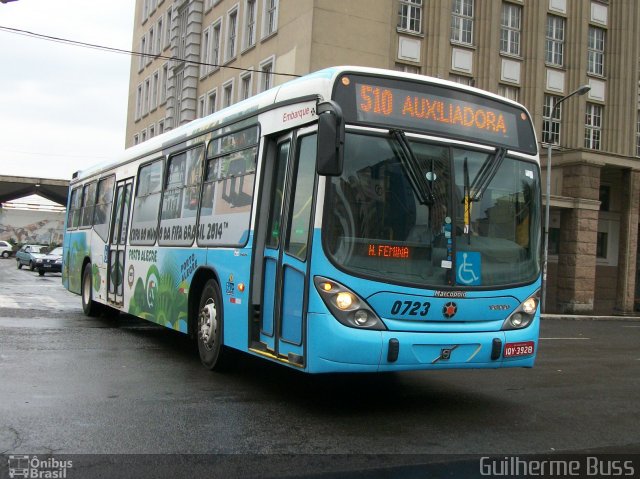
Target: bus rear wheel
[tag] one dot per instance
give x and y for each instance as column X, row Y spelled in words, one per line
column 89, row 306
column 209, row 326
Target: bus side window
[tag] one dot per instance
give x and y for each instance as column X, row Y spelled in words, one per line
column 102, row 212
column 74, row 209
column 88, row 203
column 180, row 199
column 144, row 224
column 227, row 194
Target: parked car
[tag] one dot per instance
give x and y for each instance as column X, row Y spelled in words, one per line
column 51, row 262
column 6, row 249
column 28, row 254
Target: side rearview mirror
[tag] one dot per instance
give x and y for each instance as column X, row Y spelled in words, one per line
column 330, row 151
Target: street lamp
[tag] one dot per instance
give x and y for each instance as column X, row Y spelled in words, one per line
column 579, row 91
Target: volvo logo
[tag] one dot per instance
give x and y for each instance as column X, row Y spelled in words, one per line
column 449, row 310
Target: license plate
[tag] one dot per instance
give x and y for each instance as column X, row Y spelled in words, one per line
column 525, row 348
column 47, row 266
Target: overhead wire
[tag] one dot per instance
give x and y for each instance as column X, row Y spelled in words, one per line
column 66, row 41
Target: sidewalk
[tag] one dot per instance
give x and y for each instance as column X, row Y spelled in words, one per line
column 576, row 317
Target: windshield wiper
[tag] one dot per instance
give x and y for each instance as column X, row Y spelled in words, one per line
column 420, row 185
column 486, row 173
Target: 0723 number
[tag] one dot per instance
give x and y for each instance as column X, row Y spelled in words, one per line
column 411, row 308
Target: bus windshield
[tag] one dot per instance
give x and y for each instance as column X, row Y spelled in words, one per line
column 480, row 227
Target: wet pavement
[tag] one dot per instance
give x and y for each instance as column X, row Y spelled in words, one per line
column 115, row 384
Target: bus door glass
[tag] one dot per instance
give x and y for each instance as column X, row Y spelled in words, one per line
column 117, row 242
column 288, row 230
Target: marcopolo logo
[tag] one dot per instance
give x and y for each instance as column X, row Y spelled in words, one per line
column 36, row 468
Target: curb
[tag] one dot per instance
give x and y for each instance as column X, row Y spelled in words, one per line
column 577, row 317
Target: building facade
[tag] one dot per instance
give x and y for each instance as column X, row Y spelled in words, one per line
column 199, row 56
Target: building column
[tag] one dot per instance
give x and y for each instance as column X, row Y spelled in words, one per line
column 578, row 239
column 628, row 242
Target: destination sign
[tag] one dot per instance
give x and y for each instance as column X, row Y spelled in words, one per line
column 435, row 109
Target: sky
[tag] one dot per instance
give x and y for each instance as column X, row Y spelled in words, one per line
column 62, row 107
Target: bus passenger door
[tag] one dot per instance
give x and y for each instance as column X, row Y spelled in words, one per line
column 285, row 258
column 117, row 242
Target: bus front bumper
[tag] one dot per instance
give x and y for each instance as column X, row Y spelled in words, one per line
column 333, row 347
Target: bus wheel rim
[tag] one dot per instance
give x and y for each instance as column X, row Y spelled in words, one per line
column 208, row 324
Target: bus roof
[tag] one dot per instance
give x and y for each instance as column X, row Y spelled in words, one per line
column 318, row 84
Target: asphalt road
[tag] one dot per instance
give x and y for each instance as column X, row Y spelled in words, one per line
column 76, row 385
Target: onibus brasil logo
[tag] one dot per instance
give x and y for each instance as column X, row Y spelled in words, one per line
column 36, row 468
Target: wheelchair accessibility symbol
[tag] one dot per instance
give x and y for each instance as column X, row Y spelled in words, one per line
column 468, row 268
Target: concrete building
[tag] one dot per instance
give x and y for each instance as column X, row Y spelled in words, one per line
column 533, row 51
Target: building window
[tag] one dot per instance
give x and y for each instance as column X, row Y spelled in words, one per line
column 250, row 24
column 152, row 131
column 139, row 97
column 155, row 83
column 143, row 135
column 204, row 53
column 212, row 102
column 147, row 95
column 201, row 106
column 232, row 32
column 602, row 244
column 462, row 22
column 270, row 23
column 410, row 16
column 595, row 51
column 160, row 127
column 638, row 134
column 593, row 126
column 215, row 44
column 462, row 80
column 182, row 34
column 178, row 78
column 145, row 10
column 159, row 34
column 152, row 45
column 164, row 83
column 401, row 67
column 143, row 51
column 227, row 94
column 167, row 31
column 266, row 74
column 136, row 139
column 551, row 125
column 510, row 92
column 245, row 85
column 510, row 29
column 555, row 40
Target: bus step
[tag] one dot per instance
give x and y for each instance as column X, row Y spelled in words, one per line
column 260, row 346
column 296, row 359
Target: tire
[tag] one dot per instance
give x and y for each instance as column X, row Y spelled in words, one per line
column 41, row 272
column 89, row 306
column 5, row 254
column 31, row 266
column 19, row 264
column 210, row 327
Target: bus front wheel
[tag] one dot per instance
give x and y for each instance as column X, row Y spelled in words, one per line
column 209, row 326
column 89, row 306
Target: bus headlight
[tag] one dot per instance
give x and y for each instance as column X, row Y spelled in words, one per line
column 346, row 306
column 344, row 300
column 523, row 314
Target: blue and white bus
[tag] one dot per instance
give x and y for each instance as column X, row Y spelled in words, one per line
column 354, row 219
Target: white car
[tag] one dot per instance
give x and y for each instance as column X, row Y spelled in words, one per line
column 6, row 249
